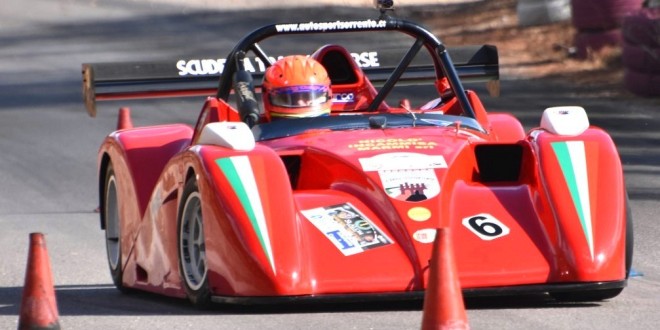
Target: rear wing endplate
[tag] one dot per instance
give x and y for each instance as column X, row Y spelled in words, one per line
column 199, row 77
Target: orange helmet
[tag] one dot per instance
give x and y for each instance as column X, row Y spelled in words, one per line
column 296, row 86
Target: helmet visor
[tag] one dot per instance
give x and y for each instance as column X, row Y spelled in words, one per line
column 299, row 96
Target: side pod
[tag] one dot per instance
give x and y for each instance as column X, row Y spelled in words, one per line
column 581, row 173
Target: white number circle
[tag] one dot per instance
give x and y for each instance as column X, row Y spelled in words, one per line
column 486, row 226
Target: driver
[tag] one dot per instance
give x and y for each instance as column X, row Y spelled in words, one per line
column 296, row 86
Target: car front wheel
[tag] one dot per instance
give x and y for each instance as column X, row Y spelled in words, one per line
column 192, row 247
column 111, row 216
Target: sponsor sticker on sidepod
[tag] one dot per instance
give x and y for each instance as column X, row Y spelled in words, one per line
column 347, row 228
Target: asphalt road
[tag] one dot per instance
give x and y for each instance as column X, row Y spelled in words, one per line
column 48, row 148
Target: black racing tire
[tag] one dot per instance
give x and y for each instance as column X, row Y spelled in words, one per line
column 630, row 237
column 642, row 27
column 601, row 14
column 641, row 58
column 112, row 222
column 641, row 83
column 191, row 247
column 587, row 42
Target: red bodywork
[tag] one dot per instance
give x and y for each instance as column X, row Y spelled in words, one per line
column 526, row 209
column 546, row 244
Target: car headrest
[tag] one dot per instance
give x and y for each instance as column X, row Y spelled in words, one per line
column 339, row 63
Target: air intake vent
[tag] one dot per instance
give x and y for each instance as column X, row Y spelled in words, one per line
column 498, row 162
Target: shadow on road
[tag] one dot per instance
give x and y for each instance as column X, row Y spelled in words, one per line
column 106, row 300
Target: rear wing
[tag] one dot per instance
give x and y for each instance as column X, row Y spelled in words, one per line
column 199, row 77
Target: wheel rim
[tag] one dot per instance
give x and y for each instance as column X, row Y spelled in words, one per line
column 112, row 223
column 191, row 245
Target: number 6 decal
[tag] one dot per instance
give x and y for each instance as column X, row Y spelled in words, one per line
column 486, row 226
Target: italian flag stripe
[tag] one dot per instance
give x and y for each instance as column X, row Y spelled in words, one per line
column 238, row 171
column 573, row 162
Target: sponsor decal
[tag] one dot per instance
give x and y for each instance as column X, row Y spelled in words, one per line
column 366, row 59
column 573, row 162
column 200, row 67
column 410, row 185
column 238, row 171
column 407, row 176
column 343, row 98
column 347, row 228
column 393, row 144
column 209, row 66
column 419, row 213
column 426, row 235
column 402, row 161
column 486, row 226
column 330, row 26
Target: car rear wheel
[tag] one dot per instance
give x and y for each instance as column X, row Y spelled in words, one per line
column 192, row 247
column 112, row 227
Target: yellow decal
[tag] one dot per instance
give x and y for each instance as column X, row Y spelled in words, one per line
column 392, row 144
column 419, row 213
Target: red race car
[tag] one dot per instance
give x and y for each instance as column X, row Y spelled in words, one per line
column 263, row 202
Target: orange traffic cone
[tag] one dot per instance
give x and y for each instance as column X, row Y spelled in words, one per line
column 124, row 120
column 38, row 306
column 443, row 301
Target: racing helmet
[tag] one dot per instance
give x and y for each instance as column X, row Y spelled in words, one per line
column 296, row 86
